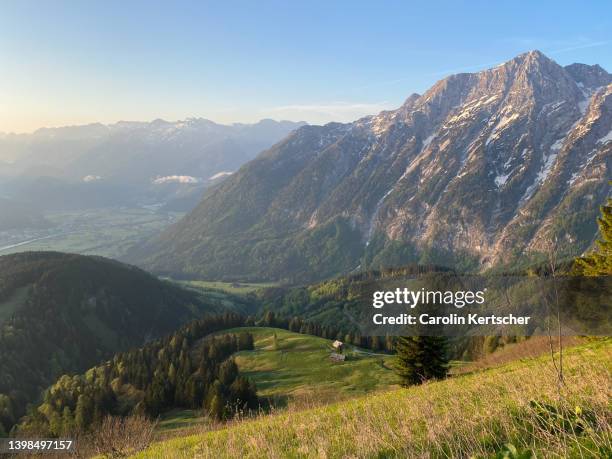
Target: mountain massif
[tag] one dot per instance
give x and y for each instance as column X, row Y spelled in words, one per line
column 481, row 170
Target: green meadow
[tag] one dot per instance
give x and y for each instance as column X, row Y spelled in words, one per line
column 516, row 410
column 294, row 370
column 236, row 288
column 293, row 367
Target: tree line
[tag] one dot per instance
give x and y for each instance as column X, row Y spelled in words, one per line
column 346, row 334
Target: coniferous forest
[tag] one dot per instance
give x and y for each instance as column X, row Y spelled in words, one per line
column 63, row 313
column 190, row 368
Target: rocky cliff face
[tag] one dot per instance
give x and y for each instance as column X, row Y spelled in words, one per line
column 481, row 170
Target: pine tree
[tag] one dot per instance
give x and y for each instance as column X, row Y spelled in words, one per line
column 228, row 372
column 421, row 358
column 7, row 418
column 216, row 409
column 55, row 423
column 599, row 261
column 242, row 393
column 376, row 344
column 389, row 343
column 245, row 342
column 83, row 412
column 215, row 405
column 269, row 319
column 67, row 421
column 294, row 324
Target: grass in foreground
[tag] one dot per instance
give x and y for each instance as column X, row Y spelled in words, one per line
column 516, row 406
column 175, row 422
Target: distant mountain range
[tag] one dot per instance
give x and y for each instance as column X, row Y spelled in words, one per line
column 129, row 162
column 479, row 171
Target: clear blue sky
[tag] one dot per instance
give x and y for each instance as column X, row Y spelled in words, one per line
column 83, row 61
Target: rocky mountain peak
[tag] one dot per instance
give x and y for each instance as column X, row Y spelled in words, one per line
column 528, row 80
column 411, row 99
column 590, row 76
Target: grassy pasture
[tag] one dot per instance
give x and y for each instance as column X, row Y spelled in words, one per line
column 236, row 288
column 513, row 410
column 297, row 367
column 296, row 372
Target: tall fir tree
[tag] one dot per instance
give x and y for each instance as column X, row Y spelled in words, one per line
column 214, row 404
column 83, row 412
column 67, row 421
column 421, row 358
column 599, row 261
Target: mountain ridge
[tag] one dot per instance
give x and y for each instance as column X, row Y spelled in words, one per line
column 472, row 173
column 133, row 163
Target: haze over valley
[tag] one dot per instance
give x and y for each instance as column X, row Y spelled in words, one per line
column 98, row 189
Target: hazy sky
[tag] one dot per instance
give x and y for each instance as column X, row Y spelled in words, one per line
column 83, row 61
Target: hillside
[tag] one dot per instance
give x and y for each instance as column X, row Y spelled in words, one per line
column 190, row 368
column 327, row 303
column 513, row 409
column 62, row 313
column 176, row 377
column 294, row 370
column 478, row 171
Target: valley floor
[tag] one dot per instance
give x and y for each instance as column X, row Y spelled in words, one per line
column 106, row 232
column 518, row 409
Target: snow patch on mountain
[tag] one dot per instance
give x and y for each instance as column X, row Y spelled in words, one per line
column 606, row 138
column 183, row 179
column 500, row 126
column 219, row 175
column 558, row 144
column 374, row 215
column 543, row 174
column 428, row 141
column 501, row 180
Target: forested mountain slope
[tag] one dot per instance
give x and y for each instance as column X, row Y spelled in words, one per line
column 191, row 368
column 62, row 313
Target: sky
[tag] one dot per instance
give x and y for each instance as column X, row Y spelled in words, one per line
column 76, row 62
